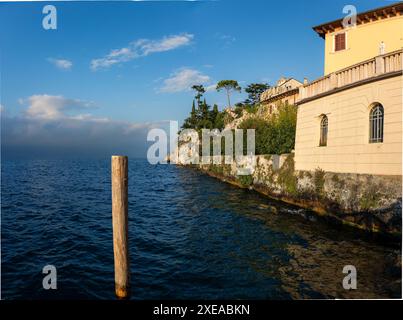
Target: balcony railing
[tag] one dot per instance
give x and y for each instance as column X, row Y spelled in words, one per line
column 275, row 91
column 377, row 66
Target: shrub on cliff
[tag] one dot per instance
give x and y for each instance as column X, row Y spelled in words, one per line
column 245, row 181
column 262, row 133
column 276, row 135
column 284, row 123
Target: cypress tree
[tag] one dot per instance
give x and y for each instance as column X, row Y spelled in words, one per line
column 193, row 116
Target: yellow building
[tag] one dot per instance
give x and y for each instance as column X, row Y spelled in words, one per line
column 350, row 120
column 375, row 32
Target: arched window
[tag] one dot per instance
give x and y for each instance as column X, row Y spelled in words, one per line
column 376, row 124
column 323, row 131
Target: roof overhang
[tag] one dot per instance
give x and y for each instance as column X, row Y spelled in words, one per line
column 368, row 16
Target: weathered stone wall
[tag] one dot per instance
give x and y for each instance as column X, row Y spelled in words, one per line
column 368, row 202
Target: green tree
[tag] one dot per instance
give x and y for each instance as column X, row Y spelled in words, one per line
column 191, row 121
column 254, row 90
column 217, row 118
column 229, row 86
column 202, row 117
column 262, row 128
column 285, row 123
column 205, row 121
column 199, row 92
column 205, row 108
column 193, row 116
column 213, row 114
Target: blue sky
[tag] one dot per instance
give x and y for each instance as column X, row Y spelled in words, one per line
column 132, row 62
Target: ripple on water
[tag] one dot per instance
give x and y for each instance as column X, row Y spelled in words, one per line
column 191, row 236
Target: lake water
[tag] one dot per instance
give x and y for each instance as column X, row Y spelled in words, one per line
column 191, row 236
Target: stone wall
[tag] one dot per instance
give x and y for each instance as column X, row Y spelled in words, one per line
column 368, row 202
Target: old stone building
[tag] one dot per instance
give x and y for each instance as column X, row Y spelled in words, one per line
column 286, row 91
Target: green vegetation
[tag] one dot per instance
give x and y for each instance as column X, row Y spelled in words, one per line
column 246, row 180
column 262, row 134
column 284, row 124
column 276, row 135
column 286, row 177
column 273, row 136
column 241, row 107
column 254, row 90
column 217, row 169
column 228, row 86
column 252, row 103
column 202, row 116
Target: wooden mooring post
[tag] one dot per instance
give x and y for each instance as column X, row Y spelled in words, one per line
column 120, row 226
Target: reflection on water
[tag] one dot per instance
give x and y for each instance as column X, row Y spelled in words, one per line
column 191, row 236
column 316, row 257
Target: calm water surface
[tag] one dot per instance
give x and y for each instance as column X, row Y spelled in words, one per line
column 191, row 236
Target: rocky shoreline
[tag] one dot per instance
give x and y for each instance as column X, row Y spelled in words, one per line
column 367, row 202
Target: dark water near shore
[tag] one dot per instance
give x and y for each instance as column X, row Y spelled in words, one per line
column 191, row 236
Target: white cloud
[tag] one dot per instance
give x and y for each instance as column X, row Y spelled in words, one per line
column 146, row 46
column 43, row 106
column 141, row 48
column 183, row 79
column 211, row 87
column 114, row 57
column 62, row 64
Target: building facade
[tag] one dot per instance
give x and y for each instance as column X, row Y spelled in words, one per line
column 375, row 32
column 350, row 120
column 286, row 91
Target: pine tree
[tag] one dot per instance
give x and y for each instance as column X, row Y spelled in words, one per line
column 213, row 114
column 204, row 121
column 205, row 110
